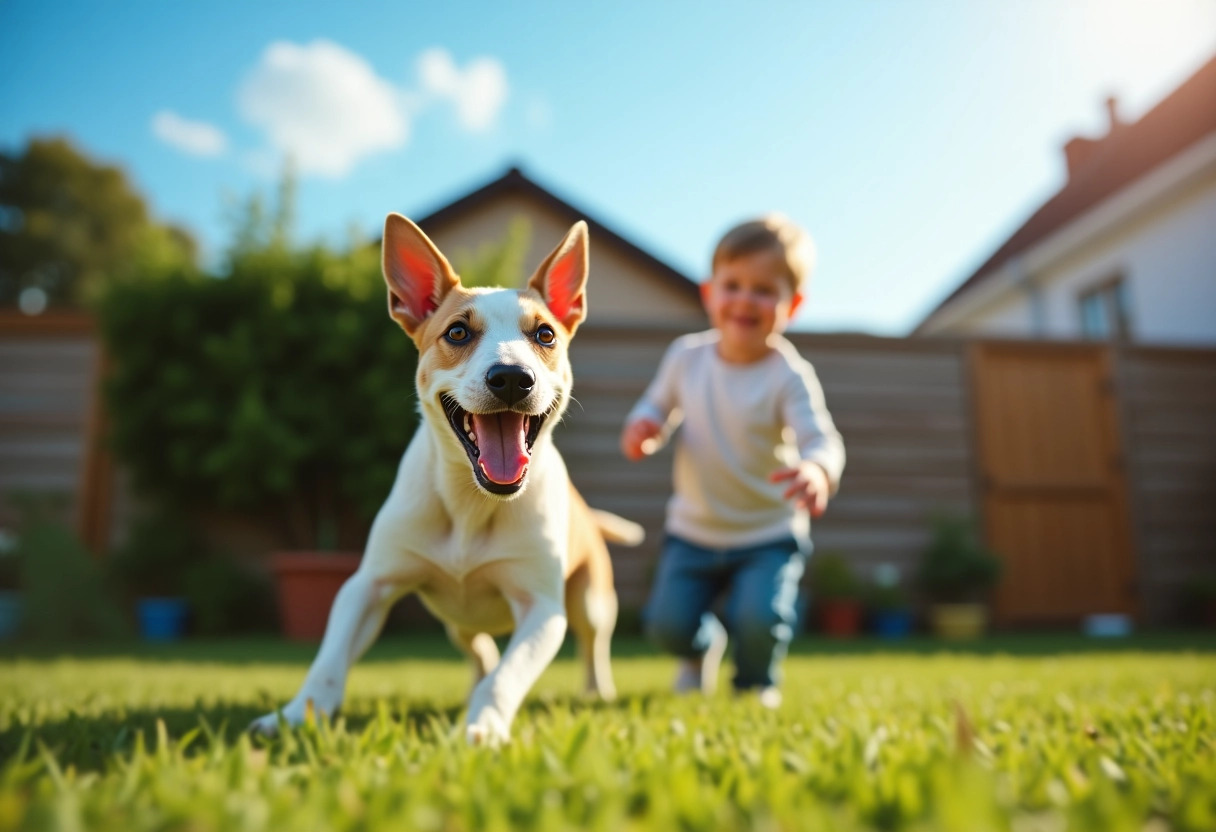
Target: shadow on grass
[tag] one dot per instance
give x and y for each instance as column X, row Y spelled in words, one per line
column 93, row 743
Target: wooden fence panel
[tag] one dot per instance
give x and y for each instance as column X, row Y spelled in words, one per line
column 1169, row 409
column 49, row 422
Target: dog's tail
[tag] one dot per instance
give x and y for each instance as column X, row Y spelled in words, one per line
column 617, row 529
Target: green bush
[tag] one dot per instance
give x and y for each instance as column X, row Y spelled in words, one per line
column 956, row 566
column 166, row 554
column 64, row 589
column 886, row 598
column 279, row 388
column 226, row 596
column 1197, row 601
column 833, row 579
column 159, row 551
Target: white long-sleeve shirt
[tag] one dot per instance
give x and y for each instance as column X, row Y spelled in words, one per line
column 738, row 424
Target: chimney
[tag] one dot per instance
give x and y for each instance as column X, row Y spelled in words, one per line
column 1079, row 150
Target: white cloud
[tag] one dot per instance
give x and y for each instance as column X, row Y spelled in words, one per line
column 323, row 105
column 478, row 92
column 198, row 138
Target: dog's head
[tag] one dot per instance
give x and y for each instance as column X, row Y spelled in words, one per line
column 493, row 372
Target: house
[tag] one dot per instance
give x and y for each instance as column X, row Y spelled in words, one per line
column 626, row 285
column 1125, row 250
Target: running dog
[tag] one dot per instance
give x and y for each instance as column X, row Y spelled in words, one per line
column 482, row 521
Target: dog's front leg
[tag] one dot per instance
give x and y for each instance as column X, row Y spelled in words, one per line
column 539, row 630
column 354, row 622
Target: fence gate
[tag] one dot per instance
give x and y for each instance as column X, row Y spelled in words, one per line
column 1051, row 471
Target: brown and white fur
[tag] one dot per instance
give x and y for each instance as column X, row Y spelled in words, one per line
column 482, row 521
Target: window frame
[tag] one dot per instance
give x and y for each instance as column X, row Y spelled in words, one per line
column 1111, row 294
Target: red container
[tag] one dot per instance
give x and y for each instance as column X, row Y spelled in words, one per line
column 840, row 619
column 307, row 583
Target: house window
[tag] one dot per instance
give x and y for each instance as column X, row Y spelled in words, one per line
column 1104, row 311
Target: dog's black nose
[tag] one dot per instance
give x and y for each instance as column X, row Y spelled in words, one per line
column 510, row 382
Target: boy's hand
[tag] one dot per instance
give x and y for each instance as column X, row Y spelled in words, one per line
column 809, row 486
column 638, row 438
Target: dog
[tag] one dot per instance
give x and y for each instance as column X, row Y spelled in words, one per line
column 482, row 521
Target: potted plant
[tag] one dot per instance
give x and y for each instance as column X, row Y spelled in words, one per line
column 956, row 574
column 887, row 602
column 836, row 592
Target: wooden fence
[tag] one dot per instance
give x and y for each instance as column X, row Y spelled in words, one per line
column 50, row 424
column 907, row 409
column 1168, row 411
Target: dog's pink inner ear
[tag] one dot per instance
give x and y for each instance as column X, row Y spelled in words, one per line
column 414, row 282
column 564, row 290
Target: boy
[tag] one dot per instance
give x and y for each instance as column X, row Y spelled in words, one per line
column 758, row 451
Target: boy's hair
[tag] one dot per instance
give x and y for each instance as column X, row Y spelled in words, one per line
column 771, row 232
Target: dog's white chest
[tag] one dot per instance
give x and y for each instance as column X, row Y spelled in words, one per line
column 473, row 602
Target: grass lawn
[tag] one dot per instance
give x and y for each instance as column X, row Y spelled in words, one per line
column 1021, row 733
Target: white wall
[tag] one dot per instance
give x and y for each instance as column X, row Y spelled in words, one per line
column 1167, row 260
column 1009, row 316
column 1165, row 252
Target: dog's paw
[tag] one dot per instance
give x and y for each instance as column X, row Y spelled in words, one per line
column 265, row 726
column 291, row 715
column 490, row 730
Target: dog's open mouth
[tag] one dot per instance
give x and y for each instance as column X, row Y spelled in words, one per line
column 499, row 444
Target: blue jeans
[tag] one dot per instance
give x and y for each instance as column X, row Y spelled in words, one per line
column 761, row 604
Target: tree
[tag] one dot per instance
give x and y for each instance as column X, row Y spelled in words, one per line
column 69, row 225
column 276, row 387
column 497, row 262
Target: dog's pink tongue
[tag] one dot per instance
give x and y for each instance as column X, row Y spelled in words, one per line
column 500, row 438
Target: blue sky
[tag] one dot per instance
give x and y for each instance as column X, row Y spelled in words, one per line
column 909, row 138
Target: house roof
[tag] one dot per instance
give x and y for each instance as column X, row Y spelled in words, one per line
column 514, row 183
column 1101, row 167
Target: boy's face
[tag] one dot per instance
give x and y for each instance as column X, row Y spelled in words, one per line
column 748, row 299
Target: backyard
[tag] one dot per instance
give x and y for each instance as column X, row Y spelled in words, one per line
column 1031, row 732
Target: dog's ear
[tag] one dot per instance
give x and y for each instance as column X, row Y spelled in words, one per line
column 562, row 278
column 417, row 274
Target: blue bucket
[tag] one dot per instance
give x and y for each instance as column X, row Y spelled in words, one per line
column 893, row 623
column 161, row 619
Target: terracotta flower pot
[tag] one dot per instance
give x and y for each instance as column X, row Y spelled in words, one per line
column 959, row 621
column 840, row 619
column 307, row 583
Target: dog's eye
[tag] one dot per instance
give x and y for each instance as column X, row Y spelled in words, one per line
column 545, row 336
column 457, row 333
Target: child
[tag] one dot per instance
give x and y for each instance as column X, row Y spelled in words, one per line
column 757, row 453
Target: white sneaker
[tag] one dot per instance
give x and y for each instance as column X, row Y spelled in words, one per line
column 711, row 662
column 702, row 674
column 770, row 697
